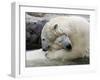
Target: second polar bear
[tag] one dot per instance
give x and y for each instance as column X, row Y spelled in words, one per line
column 72, row 32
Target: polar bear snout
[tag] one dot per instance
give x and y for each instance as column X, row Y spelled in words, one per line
column 65, row 42
column 46, row 48
column 69, row 47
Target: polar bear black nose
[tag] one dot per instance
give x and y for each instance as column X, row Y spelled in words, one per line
column 44, row 49
column 69, row 47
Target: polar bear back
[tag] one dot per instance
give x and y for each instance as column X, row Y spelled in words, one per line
column 66, row 24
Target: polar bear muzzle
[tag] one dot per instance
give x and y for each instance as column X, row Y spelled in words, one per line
column 65, row 42
column 69, row 47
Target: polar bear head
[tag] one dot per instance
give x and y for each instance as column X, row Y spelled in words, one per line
column 61, row 42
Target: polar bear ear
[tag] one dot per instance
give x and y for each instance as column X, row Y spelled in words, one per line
column 55, row 26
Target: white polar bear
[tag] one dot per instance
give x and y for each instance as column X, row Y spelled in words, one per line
column 66, row 37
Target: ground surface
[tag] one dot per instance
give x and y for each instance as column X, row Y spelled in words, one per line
column 37, row 58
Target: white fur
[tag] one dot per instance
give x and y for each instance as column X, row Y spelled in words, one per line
column 76, row 28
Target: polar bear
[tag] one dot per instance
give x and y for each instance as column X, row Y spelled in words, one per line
column 66, row 37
